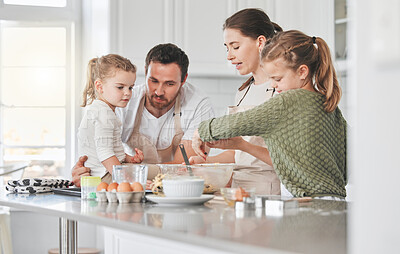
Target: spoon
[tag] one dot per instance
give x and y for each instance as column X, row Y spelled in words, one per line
column 182, row 147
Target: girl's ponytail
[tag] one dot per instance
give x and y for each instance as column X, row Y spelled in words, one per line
column 89, row 93
column 325, row 77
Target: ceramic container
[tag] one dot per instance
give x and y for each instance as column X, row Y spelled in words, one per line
column 183, row 187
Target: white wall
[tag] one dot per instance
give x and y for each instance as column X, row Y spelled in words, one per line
column 374, row 35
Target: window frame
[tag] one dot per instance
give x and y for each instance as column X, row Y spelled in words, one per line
column 68, row 17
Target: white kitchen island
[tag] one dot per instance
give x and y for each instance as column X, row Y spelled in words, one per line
column 315, row 227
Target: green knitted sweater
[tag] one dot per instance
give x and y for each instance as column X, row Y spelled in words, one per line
column 307, row 145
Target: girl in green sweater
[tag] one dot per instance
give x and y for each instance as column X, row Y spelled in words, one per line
column 303, row 127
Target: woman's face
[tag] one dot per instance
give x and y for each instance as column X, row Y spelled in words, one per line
column 243, row 51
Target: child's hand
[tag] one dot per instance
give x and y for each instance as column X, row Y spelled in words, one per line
column 137, row 158
column 196, row 160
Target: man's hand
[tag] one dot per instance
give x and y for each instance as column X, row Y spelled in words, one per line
column 80, row 170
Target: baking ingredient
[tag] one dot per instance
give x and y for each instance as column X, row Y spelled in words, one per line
column 136, row 186
column 240, row 194
column 157, row 184
column 102, row 186
column 112, row 186
column 209, row 189
column 124, row 187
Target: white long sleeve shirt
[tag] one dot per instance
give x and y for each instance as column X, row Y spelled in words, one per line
column 99, row 136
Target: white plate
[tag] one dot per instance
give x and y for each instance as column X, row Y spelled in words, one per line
column 179, row 200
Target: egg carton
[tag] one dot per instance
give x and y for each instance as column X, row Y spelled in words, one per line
column 121, row 197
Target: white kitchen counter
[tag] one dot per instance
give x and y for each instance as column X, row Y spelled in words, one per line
column 315, row 227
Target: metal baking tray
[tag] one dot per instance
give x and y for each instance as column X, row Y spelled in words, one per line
column 68, row 191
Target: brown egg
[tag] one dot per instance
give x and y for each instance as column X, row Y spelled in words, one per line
column 124, row 187
column 112, row 186
column 136, row 186
column 102, row 186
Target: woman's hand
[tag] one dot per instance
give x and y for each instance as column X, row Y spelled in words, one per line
column 80, row 170
column 198, row 145
column 137, row 158
column 230, row 143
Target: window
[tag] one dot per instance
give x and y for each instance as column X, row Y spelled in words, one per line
column 49, row 3
column 36, row 89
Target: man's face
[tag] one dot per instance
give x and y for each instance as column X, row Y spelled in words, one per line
column 163, row 83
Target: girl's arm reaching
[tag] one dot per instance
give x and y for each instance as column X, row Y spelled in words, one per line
column 137, row 158
column 110, row 162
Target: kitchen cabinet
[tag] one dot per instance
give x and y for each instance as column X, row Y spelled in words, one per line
column 196, row 27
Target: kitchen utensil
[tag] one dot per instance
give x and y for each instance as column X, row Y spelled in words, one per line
column 130, row 173
column 179, row 201
column 183, row 186
column 89, row 186
column 182, row 147
column 233, row 195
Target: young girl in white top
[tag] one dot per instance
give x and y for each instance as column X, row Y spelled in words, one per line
column 110, row 80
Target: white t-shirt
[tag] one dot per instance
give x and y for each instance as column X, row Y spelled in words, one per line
column 195, row 108
column 99, row 136
column 256, row 95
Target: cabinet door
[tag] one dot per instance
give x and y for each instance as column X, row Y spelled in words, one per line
column 199, row 33
column 196, row 27
column 139, row 26
column 313, row 17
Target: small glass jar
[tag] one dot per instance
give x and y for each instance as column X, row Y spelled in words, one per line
column 88, row 187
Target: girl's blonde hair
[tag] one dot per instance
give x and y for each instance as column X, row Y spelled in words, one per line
column 103, row 68
column 296, row 49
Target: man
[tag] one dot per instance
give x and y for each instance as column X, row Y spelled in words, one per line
column 162, row 113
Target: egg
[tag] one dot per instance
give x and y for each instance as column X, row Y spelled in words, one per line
column 102, row 186
column 112, row 186
column 136, row 186
column 124, row 187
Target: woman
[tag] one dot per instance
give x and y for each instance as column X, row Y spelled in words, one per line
column 303, row 127
column 245, row 34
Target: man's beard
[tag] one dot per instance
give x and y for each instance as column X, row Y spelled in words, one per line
column 162, row 105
